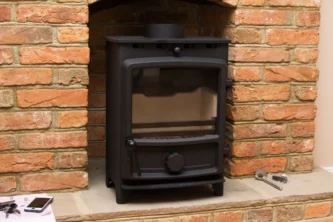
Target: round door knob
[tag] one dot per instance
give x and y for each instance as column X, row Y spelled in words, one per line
column 174, row 162
column 177, row 50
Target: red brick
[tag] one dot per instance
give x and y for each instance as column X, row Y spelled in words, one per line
column 26, row 162
column 242, row 113
column 259, row 93
column 70, row 1
column 6, row 55
column 25, row 35
column 50, row 181
column 316, row 210
column 244, row 74
column 96, row 133
column 194, row 218
column 291, row 73
column 96, row 149
column 301, row 146
column 97, row 100
column 308, row 18
column 25, row 120
column 253, row 2
column 4, row 13
column 243, row 35
column 234, row 216
column 289, row 213
column 53, row 55
column 52, row 14
column 301, row 163
column 306, row 55
column 244, row 149
column 248, row 167
column 292, row 37
column 7, row 183
column 305, row 93
column 326, row 219
column 288, row 146
column 306, row 3
column 262, row 17
column 96, row 117
column 7, row 142
column 53, row 140
column 97, row 83
column 160, row 219
column 258, row 55
column 52, row 98
column 260, row 215
column 73, row 34
column 73, row 76
column 6, row 98
column 274, row 147
column 69, row 119
column 252, row 131
column 25, row 76
column 290, row 112
column 72, row 160
column 304, row 129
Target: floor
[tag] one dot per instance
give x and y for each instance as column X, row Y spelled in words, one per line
column 98, row 202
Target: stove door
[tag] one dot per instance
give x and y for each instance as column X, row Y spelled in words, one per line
column 174, row 119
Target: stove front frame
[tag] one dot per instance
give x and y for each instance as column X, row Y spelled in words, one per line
column 122, row 58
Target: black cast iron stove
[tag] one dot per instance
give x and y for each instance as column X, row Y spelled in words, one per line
column 165, row 110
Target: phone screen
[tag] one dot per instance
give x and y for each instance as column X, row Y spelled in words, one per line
column 38, row 202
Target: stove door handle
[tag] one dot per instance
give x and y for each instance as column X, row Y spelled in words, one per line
column 131, row 145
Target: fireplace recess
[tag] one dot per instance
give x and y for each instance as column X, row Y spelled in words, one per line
column 165, row 110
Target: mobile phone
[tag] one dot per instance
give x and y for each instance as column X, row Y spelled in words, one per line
column 38, row 204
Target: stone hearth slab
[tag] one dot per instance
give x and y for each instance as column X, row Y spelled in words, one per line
column 98, row 202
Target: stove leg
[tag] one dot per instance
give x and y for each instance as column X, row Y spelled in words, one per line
column 218, row 189
column 122, row 196
column 109, row 183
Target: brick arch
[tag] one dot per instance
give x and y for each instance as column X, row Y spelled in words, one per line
column 228, row 3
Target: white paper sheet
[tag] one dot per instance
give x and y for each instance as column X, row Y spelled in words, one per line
column 22, row 201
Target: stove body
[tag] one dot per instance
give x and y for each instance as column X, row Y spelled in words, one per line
column 175, row 149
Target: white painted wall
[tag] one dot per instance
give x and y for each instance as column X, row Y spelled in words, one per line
column 324, row 121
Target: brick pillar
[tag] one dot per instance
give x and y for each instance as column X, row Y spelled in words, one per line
column 43, row 96
column 271, row 106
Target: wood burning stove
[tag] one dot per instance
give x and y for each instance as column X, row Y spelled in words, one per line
column 165, row 111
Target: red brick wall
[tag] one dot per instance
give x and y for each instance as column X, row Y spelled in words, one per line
column 43, row 95
column 271, row 108
column 272, row 63
column 44, row 53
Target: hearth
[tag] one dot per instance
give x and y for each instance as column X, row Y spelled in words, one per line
column 165, row 110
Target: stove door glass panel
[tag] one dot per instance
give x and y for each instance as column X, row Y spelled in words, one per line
column 174, row 102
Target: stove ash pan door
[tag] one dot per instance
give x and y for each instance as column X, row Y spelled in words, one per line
column 174, row 119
